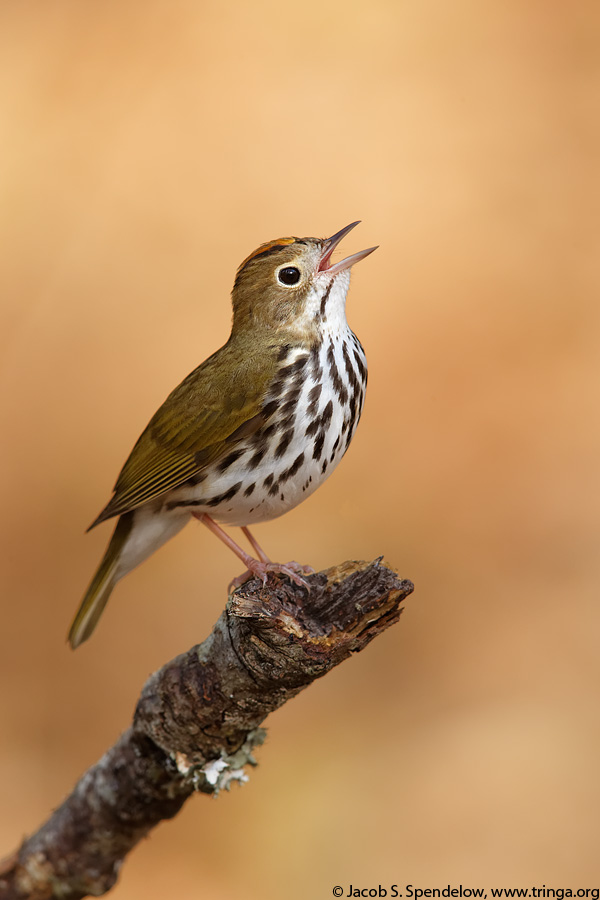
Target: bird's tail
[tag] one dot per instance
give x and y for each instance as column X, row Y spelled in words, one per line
column 101, row 585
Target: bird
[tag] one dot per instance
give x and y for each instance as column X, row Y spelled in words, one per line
column 255, row 429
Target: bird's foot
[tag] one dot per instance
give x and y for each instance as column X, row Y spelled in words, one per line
column 299, row 569
column 258, row 569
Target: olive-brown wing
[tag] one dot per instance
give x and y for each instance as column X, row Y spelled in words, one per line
column 218, row 404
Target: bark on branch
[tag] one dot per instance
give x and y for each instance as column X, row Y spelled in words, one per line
column 197, row 722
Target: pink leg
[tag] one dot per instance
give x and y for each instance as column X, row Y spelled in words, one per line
column 223, row 536
column 296, row 567
column 256, row 567
column 255, row 545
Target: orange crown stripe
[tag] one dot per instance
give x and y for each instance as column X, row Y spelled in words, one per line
column 269, row 247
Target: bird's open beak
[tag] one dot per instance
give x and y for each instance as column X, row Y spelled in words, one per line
column 330, row 246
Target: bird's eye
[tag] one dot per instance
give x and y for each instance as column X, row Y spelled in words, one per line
column 289, row 275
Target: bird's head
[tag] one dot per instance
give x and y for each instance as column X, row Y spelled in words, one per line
column 291, row 283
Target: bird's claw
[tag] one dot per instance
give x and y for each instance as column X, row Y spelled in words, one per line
column 261, row 570
column 300, row 569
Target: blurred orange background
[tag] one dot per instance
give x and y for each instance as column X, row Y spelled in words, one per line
column 147, row 147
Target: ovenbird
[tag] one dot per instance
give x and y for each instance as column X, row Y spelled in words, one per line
column 252, row 431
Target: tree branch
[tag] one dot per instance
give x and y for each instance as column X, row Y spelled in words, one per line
column 197, row 722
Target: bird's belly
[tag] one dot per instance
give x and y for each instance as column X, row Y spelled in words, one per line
column 273, row 495
column 248, row 494
column 279, row 466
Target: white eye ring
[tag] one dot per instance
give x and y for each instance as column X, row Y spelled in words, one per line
column 289, row 276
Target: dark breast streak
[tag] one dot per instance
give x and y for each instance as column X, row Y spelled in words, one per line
column 336, row 376
column 345, row 387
